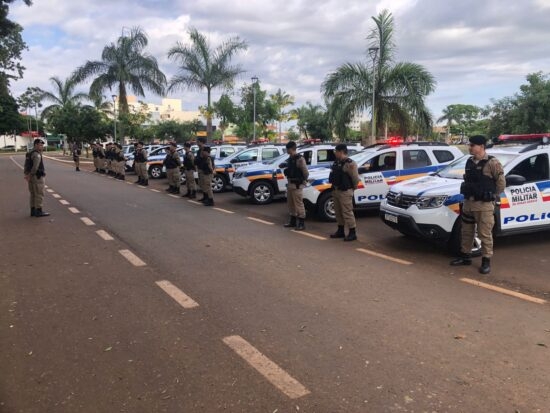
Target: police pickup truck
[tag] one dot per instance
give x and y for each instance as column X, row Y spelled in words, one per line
column 379, row 168
column 429, row 207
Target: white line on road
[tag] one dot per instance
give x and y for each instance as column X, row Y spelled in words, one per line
column 179, row 296
column 384, row 256
column 51, row 191
column 174, row 196
column 133, row 258
column 261, row 221
column 307, row 234
column 74, row 210
column 223, row 210
column 63, row 202
column 194, row 202
column 271, row 371
column 15, row 162
column 104, row 235
column 56, row 196
column 87, row 221
column 154, row 190
column 504, row 291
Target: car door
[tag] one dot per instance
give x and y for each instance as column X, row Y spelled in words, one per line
column 323, row 158
column 247, row 157
column 527, row 205
column 376, row 174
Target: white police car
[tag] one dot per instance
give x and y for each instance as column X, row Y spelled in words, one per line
column 379, row 168
column 429, row 207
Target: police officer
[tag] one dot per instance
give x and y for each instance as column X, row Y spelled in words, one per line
column 207, row 168
column 101, row 157
column 120, row 161
column 108, row 167
column 201, row 142
column 483, row 183
column 34, row 175
column 76, row 156
column 189, row 167
column 296, row 173
column 95, row 156
column 140, row 164
column 172, row 162
column 344, row 179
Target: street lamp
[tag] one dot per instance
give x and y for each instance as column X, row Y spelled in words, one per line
column 373, row 53
column 114, row 111
column 254, row 84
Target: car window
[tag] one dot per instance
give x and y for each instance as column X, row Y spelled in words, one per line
column 416, row 158
column 325, row 155
column 443, row 156
column 225, row 152
column 533, row 169
column 213, row 152
column 251, row 155
column 269, row 153
column 307, row 156
column 384, row 162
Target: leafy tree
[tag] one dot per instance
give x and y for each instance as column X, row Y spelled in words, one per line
column 178, row 131
column 10, row 119
column 124, row 66
column 202, row 67
column 130, row 123
column 266, row 112
column 313, row 122
column 464, row 117
column 281, row 100
column 400, row 89
column 79, row 123
column 225, row 110
column 63, row 95
column 30, row 99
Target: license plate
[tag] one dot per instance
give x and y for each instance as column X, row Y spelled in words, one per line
column 390, row 218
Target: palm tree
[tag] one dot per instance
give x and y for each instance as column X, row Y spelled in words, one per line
column 399, row 88
column 124, row 66
column 450, row 115
column 62, row 97
column 201, row 67
column 281, row 100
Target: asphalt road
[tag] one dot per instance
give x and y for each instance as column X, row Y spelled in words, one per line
column 285, row 322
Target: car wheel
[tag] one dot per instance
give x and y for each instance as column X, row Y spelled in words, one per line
column 218, row 183
column 456, row 241
column 325, row 207
column 261, row 192
column 155, row 171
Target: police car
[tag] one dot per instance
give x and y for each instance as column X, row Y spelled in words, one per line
column 429, row 207
column 379, row 167
column 262, row 182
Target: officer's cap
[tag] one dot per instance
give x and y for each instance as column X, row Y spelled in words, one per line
column 201, row 140
column 38, row 141
column 206, row 149
column 187, row 145
column 478, row 140
column 290, row 145
column 174, row 144
column 140, row 143
column 341, row 147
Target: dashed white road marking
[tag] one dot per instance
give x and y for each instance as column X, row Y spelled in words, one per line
column 56, row 196
column 308, row 234
column 504, row 291
column 261, row 221
column 104, row 235
column 179, row 296
column 226, row 211
column 271, row 371
column 129, row 183
column 51, row 191
column 74, row 210
column 194, row 202
column 384, row 256
column 174, row 196
column 154, row 190
column 133, row 258
column 19, row 166
column 87, row 221
column 63, row 202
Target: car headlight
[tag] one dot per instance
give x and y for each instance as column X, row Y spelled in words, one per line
column 428, row 202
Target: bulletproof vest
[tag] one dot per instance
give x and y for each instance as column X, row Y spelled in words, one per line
column 293, row 172
column 338, row 178
column 140, row 157
column 40, row 172
column 119, row 155
column 170, row 162
column 188, row 161
column 199, row 161
column 205, row 167
column 95, row 152
column 101, row 153
column 476, row 184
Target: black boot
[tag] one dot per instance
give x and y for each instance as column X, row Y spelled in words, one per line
column 485, row 266
column 339, row 232
column 39, row 213
column 193, row 195
column 176, row 190
column 122, row 177
column 169, row 189
column 33, row 211
column 77, row 169
column 139, row 181
column 301, row 225
column 145, row 182
column 291, row 223
column 209, row 202
column 464, row 259
column 352, row 236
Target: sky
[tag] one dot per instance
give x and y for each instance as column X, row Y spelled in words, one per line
column 477, row 50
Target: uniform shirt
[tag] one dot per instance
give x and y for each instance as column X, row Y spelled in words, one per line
column 302, row 165
column 36, row 158
column 143, row 153
column 492, row 169
column 208, row 162
column 351, row 169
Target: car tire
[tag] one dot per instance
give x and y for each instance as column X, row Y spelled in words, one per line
column 325, row 207
column 456, row 241
column 155, row 171
column 261, row 193
column 219, row 182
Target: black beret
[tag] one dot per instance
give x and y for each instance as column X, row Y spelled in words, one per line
column 206, row 149
column 291, row 144
column 187, row 144
column 140, row 143
column 38, row 141
column 202, row 140
column 478, row 140
column 341, row 147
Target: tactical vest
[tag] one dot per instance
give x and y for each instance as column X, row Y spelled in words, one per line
column 188, row 161
column 95, row 153
column 40, row 172
column 294, row 174
column 476, row 184
column 338, row 178
column 170, row 162
column 119, row 155
column 199, row 161
column 205, row 167
column 101, row 153
column 140, row 157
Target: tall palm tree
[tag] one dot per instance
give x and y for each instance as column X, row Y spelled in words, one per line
column 281, row 100
column 399, row 88
column 202, row 67
column 62, row 97
column 450, row 115
column 124, row 66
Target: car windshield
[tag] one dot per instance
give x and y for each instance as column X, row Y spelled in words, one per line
column 360, row 157
column 276, row 161
column 455, row 170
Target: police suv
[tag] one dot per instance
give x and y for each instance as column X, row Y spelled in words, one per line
column 379, row 168
column 262, row 182
column 429, row 207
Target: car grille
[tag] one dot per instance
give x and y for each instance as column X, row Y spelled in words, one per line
column 400, row 200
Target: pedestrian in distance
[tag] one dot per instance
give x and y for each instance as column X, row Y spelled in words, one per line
column 483, row 183
column 207, row 167
column 35, row 176
column 140, row 165
column 201, row 142
column 296, row 173
column 344, row 178
column 172, row 162
column 189, row 168
column 76, row 156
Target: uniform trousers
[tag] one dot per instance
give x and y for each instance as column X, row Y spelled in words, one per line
column 141, row 170
column 207, row 185
column 36, row 189
column 190, row 180
column 174, row 177
column 483, row 221
column 343, row 207
column 295, row 200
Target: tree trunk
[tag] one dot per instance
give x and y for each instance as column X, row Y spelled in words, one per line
column 123, row 99
column 208, row 119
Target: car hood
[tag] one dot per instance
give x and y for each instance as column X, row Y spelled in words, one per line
column 428, row 185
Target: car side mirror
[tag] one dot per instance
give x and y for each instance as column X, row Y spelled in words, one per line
column 515, row 180
column 234, row 160
column 283, row 165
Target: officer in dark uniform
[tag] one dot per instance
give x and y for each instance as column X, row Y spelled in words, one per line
column 207, row 168
column 95, row 156
column 172, row 162
column 76, row 156
column 296, row 173
column 483, row 183
column 101, row 157
column 120, row 161
column 189, row 167
column 140, row 165
column 34, row 175
column 201, row 142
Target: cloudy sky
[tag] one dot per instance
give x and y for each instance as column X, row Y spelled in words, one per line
column 476, row 49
